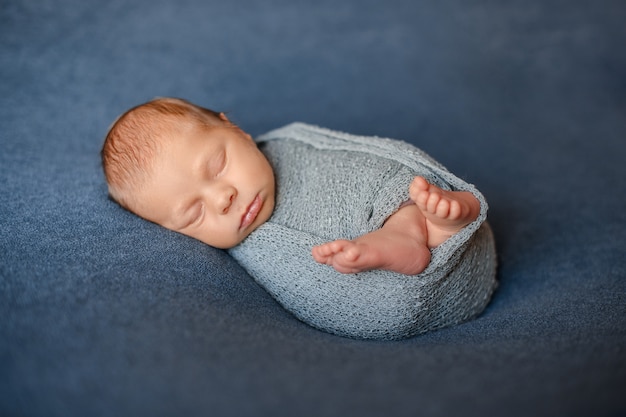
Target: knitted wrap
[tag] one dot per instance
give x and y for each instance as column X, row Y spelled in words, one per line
column 333, row 185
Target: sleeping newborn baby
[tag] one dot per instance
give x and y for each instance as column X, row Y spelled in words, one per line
column 343, row 231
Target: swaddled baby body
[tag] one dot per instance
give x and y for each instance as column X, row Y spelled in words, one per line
column 359, row 236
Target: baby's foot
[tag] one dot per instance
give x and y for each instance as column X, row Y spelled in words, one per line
column 345, row 256
column 446, row 212
column 381, row 249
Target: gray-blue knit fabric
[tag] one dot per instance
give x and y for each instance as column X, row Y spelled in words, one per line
column 333, row 185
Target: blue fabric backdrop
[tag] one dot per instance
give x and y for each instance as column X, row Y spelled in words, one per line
column 102, row 314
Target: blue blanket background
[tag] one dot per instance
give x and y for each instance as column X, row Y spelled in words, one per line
column 103, row 314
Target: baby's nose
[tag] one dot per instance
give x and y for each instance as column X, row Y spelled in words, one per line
column 226, row 199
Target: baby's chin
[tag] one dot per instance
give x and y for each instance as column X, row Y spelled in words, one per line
column 231, row 243
column 263, row 216
column 260, row 221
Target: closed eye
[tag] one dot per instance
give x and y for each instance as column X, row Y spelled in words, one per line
column 195, row 215
column 218, row 164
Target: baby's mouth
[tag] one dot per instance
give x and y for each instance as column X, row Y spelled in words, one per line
column 251, row 212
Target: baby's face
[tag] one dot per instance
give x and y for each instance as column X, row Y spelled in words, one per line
column 214, row 186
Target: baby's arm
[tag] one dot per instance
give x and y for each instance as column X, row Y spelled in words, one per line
column 403, row 243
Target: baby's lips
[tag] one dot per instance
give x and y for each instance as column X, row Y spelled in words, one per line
column 251, row 212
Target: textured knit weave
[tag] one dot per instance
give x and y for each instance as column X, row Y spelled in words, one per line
column 333, row 185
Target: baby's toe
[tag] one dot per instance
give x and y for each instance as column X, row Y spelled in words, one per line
column 352, row 254
column 443, row 209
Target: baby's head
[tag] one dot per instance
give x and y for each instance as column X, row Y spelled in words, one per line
column 190, row 170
